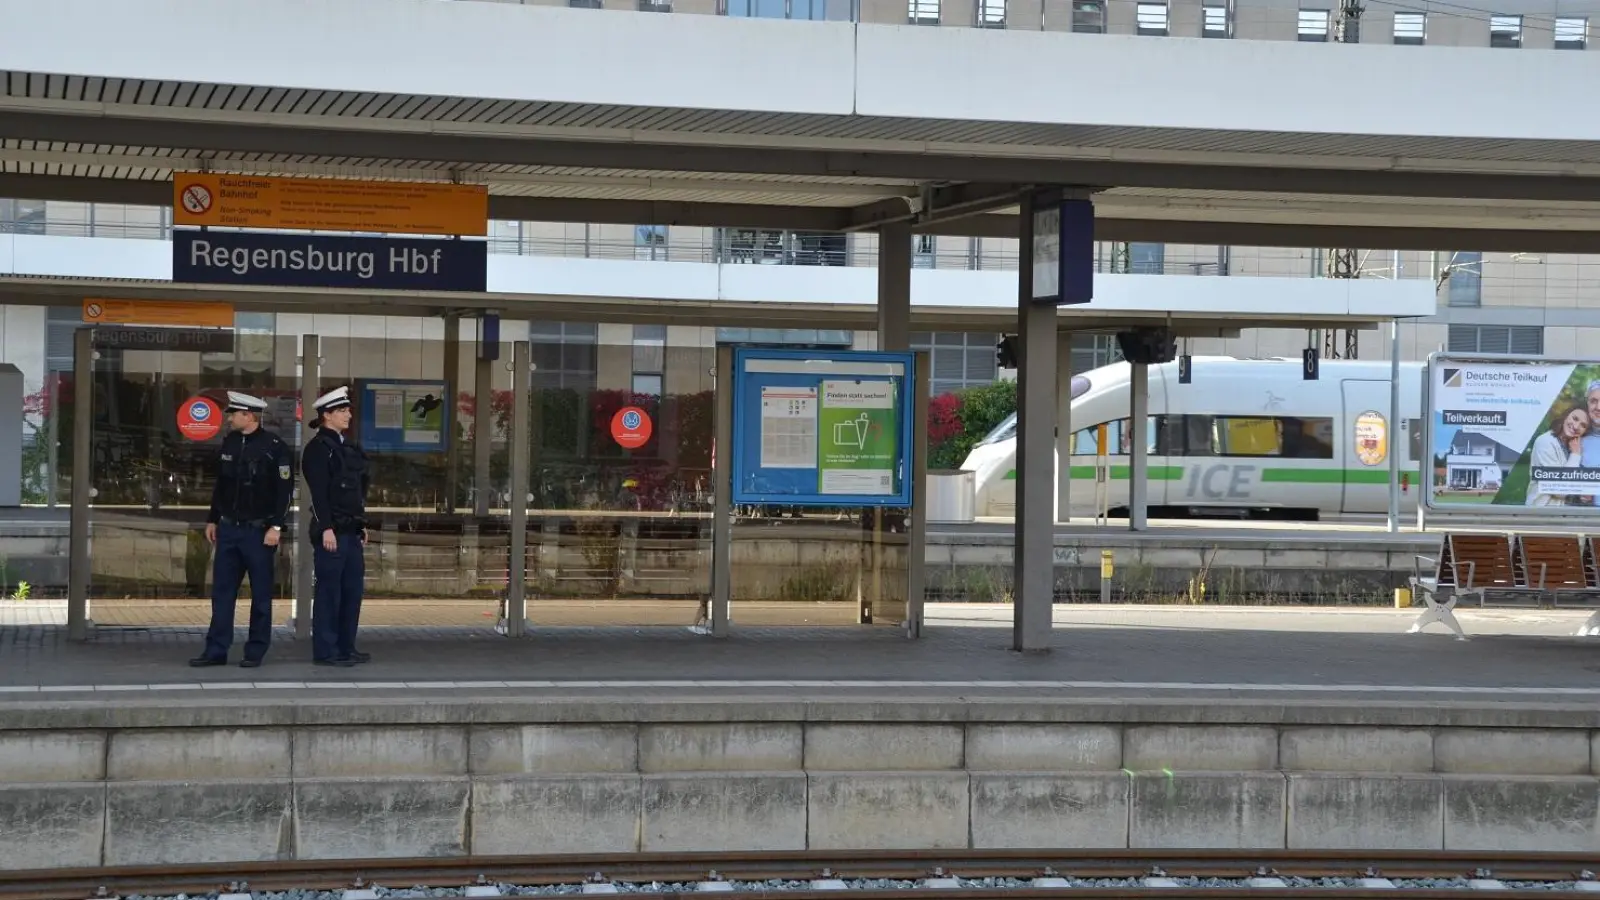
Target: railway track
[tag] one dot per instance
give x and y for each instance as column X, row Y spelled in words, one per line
column 875, row 875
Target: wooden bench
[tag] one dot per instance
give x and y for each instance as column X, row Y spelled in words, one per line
column 1468, row 565
column 1556, row 566
column 1507, row 570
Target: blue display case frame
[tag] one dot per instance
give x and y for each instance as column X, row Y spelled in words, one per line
column 392, row 440
column 809, row 369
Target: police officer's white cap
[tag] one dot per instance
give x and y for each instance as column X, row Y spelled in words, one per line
column 238, row 402
column 332, row 400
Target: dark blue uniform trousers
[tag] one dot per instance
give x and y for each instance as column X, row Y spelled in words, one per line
column 336, row 609
column 239, row 551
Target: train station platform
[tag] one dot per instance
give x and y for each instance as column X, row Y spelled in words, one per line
column 1166, row 728
column 1113, row 652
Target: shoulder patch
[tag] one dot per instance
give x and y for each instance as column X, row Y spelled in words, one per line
column 283, row 472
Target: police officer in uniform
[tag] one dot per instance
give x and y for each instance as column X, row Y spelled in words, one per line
column 248, row 505
column 336, row 469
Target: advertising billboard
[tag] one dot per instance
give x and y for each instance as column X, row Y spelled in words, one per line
column 1510, row 434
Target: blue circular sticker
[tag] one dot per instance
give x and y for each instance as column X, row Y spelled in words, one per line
column 630, row 419
column 200, row 411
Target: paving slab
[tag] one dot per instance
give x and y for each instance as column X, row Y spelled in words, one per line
column 1098, row 653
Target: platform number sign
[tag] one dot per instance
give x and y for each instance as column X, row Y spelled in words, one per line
column 1309, row 366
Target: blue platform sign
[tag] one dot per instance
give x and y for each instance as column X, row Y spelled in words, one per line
column 822, row 429
column 324, row 260
column 1063, row 249
column 403, row 416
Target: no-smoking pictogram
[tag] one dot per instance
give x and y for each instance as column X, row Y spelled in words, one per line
column 93, row 311
column 197, row 199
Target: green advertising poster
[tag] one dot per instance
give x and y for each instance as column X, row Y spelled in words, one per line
column 857, row 438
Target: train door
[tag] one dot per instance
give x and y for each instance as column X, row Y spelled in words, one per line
column 1365, row 437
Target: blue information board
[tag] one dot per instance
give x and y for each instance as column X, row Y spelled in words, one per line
column 819, row 428
column 400, row 415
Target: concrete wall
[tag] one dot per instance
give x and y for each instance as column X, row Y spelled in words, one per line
column 124, row 784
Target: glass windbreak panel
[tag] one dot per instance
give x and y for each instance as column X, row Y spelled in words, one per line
column 438, row 508
column 619, row 518
column 619, row 525
column 155, row 441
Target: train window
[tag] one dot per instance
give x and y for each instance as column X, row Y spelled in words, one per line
column 1184, row 436
column 1237, row 436
column 1084, row 442
column 1005, row 431
column 1309, row 438
column 1289, row 437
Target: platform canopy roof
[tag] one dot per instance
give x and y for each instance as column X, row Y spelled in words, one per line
column 634, row 118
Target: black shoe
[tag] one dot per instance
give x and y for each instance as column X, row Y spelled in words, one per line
column 356, row 656
column 341, row 663
column 202, row 661
column 249, row 663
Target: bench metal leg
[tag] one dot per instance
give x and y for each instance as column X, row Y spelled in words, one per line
column 1441, row 612
column 1591, row 626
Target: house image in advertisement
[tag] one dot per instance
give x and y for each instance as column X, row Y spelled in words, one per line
column 1477, row 463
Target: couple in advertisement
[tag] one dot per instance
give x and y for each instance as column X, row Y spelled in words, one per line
column 1570, row 441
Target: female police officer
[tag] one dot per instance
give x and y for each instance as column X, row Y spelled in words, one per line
column 336, row 471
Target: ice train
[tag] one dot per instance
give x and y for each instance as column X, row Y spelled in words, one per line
column 1246, row 438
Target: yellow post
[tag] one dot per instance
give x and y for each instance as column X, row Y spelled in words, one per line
column 1402, row 598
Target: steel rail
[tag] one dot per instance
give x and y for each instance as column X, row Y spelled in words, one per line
column 679, row 868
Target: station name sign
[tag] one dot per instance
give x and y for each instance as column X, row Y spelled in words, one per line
column 183, row 340
column 326, row 204
column 315, row 260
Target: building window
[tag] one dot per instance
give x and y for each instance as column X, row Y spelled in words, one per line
column 1147, row 259
column 61, row 322
column 649, row 356
column 1522, row 340
column 922, row 251
column 1151, row 18
column 1215, row 22
column 584, row 4
column 1313, row 25
column 922, row 12
column 814, row 10
column 957, row 359
column 1572, row 34
column 991, row 13
column 655, row 5
column 1505, row 31
column 787, row 337
column 1410, row 28
column 649, row 242
column 1091, row 351
column 1089, row 16
column 564, row 354
column 1464, row 280
column 22, row 217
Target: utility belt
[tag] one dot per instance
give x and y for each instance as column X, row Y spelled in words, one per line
column 344, row 525
column 242, row 523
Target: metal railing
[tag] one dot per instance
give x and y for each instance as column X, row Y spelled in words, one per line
column 1543, row 29
column 690, row 245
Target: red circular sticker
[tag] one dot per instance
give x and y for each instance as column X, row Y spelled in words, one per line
column 199, row 418
column 631, row 427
